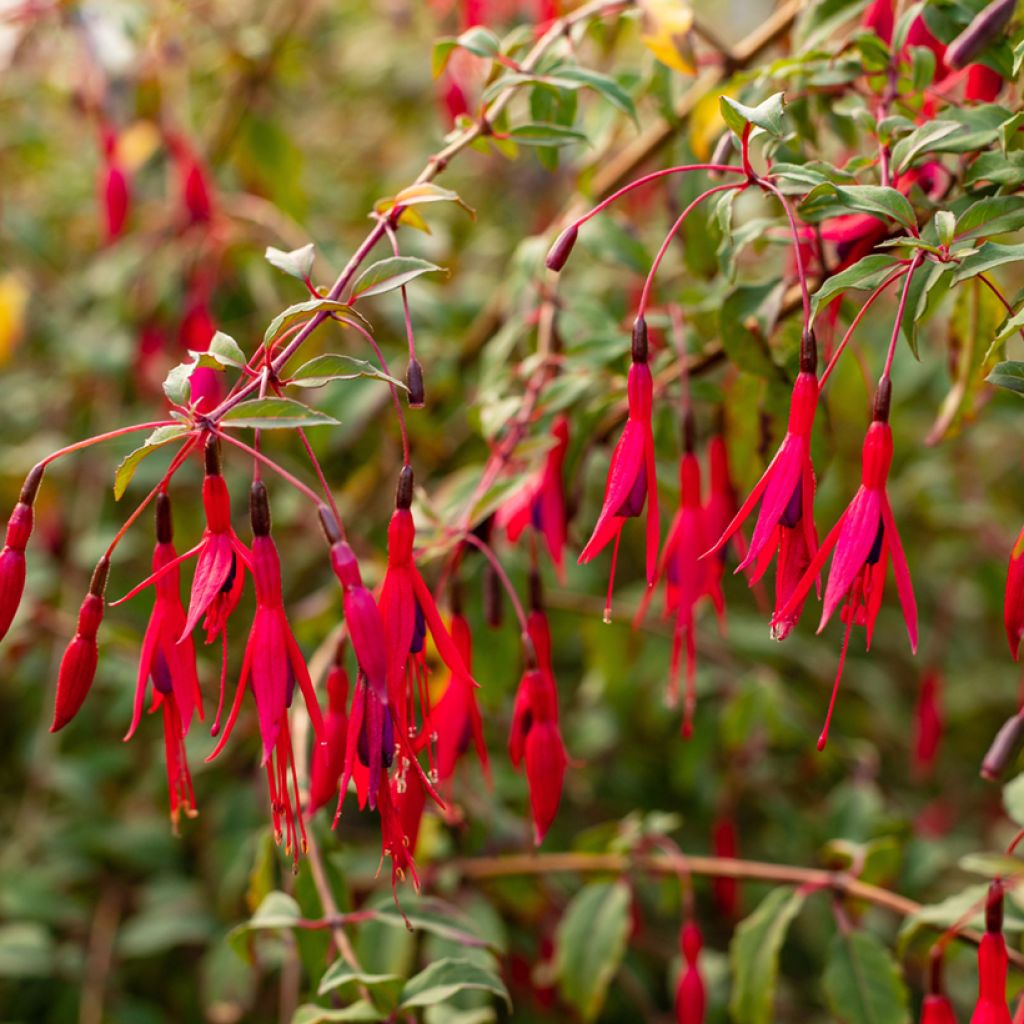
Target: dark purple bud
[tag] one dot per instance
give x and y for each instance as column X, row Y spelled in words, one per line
column 414, row 382
column 403, row 496
column 259, row 509
column 1003, row 749
column 560, row 251
column 883, row 401
column 808, row 352
column 988, row 25
column 164, row 522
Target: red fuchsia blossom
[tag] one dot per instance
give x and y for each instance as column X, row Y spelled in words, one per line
column 328, row 758
column 114, row 193
column 785, row 521
column 78, row 666
column 194, row 190
column 991, row 1007
column 456, row 716
column 928, row 723
column 409, row 614
column 864, row 539
column 937, row 1010
column 535, row 735
column 171, row 667
column 272, row 665
column 632, row 476
column 690, row 998
column 540, row 502
column 721, row 505
column 724, row 843
column 1013, row 603
column 688, row 579
column 12, row 557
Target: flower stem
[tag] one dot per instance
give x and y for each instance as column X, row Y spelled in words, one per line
column 98, row 438
column 914, row 264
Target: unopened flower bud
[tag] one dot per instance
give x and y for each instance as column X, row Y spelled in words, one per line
column 1003, row 748
column 403, row 496
column 639, row 350
column 414, row 382
column 562, row 248
column 984, row 30
column 259, row 509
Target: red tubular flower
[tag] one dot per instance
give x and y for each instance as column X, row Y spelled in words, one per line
column 928, row 723
column 721, row 506
column 632, row 477
column 690, row 997
column 785, row 522
column 78, row 666
column 540, row 502
column 937, row 1010
column 1013, row 604
column 172, row 668
column 409, row 613
column 991, row 1007
column 328, row 760
column 273, row 664
column 114, row 193
column 196, row 196
column 688, row 578
column 724, row 844
column 12, row 557
column 395, row 841
column 863, row 539
column 544, row 752
column 983, row 84
column 456, row 716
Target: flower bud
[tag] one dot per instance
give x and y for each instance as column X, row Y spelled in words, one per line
column 562, row 248
column 639, row 348
column 984, row 30
column 414, row 382
column 78, row 666
column 259, row 509
column 1002, row 749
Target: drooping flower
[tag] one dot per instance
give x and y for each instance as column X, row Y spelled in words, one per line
column 937, row 1010
column 785, row 521
column 991, row 1007
column 170, row 663
column 114, row 193
column 272, row 665
column 78, row 666
column 12, row 557
column 688, row 578
column 540, row 502
column 536, row 739
column 721, row 505
column 690, row 998
column 864, row 539
column 456, row 716
column 220, row 559
column 196, row 195
column 328, row 758
column 632, row 477
column 409, row 614
column 724, row 843
column 928, row 723
column 1013, row 604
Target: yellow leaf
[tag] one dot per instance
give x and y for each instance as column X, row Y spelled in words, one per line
column 706, row 122
column 667, row 25
column 137, row 143
column 13, row 306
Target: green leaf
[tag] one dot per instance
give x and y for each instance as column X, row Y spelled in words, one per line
column 393, row 272
column 417, row 195
column 226, row 350
column 878, row 200
column 334, row 366
column 310, row 1013
column 444, row 978
column 945, row 226
column 862, row 982
column 606, row 86
column 126, row 469
column 176, row 384
column 275, row 413
column 754, row 955
column 590, row 943
column 480, row 41
column 768, row 116
column 993, row 215
column 341, row 975
column 545, row 134
column 26, row 951
column 865, row 275
column 277, row 910
column 1010, row 375
column 297, row 263
column 302, row 310
column 989, row 256
column 920, row 141
column 433, row 916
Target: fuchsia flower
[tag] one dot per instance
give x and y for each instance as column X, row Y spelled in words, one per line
column 928, row 723
column 535, row 736
column 409, row 613
column 114, row 194
column 632, row 476
column 721, row 505
column 328, row 760
column 273, row 664
column 1013, row 603
column 690, row 996
column 864, row 539
column 785, row 522
column 78, row 666
column 991, row 1007
column 688, row 578
column 196, row 195
column 456, row 716
column 540, row 502
column 12, row 557
column 169, row 661
column 724, row 843
column 936, row 1009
